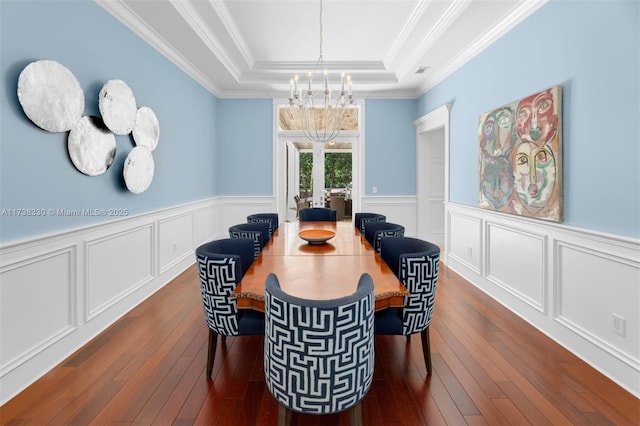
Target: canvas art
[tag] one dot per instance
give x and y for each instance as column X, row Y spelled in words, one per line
column 521, row 157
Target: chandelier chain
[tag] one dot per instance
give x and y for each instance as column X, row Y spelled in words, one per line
column 321, row 114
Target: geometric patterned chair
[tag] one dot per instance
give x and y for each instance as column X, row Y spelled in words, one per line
column 270, row 218
column 318, row 354
column 317, row 214
column 416, row 263
column 361, row 218
column 374, row 231
column 221, row 265
column 258, row 232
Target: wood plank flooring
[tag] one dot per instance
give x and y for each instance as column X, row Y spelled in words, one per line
column 489, row 368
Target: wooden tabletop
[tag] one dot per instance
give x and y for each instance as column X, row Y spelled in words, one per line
column 319, row 271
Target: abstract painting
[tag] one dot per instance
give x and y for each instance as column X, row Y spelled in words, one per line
column 521, row 157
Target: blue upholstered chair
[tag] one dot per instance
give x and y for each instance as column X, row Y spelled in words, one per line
column 318, row 354
column 374, row 231
column 317, row 214
column 221, row 265
column 258, row 232
column 270, row 218
column 360, row 219
column 416, row 263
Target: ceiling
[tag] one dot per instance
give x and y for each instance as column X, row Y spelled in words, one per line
column 252, row 48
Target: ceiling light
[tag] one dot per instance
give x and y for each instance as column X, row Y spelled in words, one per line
column 323, row 111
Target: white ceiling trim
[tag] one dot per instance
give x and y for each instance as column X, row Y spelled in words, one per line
column 488, row 38
column 229, row 25
column 200, row 28
column 408, row 28
column 132, row 21
column 452, row 12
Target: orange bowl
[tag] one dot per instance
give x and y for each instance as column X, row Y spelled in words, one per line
column 316, row 236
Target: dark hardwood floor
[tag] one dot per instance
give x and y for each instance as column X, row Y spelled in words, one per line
column 489, row 367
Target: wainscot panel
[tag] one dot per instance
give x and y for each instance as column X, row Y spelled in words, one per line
column 522, row 272
column 400, row 210
column 38, row 295
column 236, row 209
column 569, row 283
column 174, row 243
column 465, row 241
column 60, row 290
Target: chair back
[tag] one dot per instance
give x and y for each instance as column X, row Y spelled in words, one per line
column 221, row 265
column 317, row 214
column 258, row 232
column 270, row 218
column 360, row 219
column 318, row 354
column 374, row 231
column 416, row 263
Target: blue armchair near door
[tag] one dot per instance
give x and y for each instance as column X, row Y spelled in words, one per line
column 258, row 232
column 317, row 214
column 374, row 231
column 270, row 218
column 221, row 265
column 416, row 263
column 361, row 219
column 318, row 354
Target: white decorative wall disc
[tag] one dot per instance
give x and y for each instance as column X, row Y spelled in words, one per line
column 138, row 169
column 117, row 107
column 50, row 95
column 146, row 131
column 92, row 147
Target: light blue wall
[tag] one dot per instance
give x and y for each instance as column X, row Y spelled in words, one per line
column 245, row 147
column 35, row 169
column 592, row 49
column 390, row 147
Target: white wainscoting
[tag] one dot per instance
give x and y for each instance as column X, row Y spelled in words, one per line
column 566, row 282
column 397, row 209
column 60, row 290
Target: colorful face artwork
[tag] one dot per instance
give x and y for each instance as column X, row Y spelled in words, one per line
column 520, row 157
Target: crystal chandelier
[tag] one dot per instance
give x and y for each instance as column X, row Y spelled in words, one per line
column 321, row 113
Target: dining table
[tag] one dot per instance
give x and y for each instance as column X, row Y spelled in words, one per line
column 316, row 269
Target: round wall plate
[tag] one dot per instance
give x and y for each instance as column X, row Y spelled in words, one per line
column 138, row 169
column 146, row 131
column 50, row 95
column 117, row 107
column 92, row 147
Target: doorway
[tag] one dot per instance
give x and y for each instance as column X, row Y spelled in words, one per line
column 432, row 154
column 319, row 175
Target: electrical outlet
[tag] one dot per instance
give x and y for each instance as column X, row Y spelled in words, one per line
column 374, row 189
column 618, row 324
column 469, row 252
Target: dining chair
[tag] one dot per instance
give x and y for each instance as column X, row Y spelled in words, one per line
column 361, row 218
column 258, row 232
column 270, row 218
column 319, row 354
column 221, row 265
column 416, row 263
column 374, row 231
column 317, row 214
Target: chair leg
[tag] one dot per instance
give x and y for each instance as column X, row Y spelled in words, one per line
column 284, row 415
column 211, row 353
column 426, row 349
column 355, row 415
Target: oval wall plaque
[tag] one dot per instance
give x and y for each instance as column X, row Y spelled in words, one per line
column 50, row 95
column 117, row 107
column 92, row 147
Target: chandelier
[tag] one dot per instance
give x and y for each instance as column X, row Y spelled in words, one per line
column 321, row 113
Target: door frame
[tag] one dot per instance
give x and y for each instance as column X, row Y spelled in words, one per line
column 435, row 120
column 281, row 140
